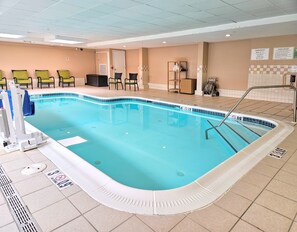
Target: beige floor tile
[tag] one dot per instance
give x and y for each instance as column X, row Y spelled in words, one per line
column 188, row 225
column 2, row 199
column 49, row 166
column 77, row 225
column 5, row 215
column 2, row 151
column 106, row 219
column 83, row 202
column 246, row 190
column 16, row 164
column 291, row 168
column 8, row 157
column 214, row 218
column 234, row 203
column 71, row 190
column 265, row 170
column 256, row 179
column 266, row 219
column 43, row 198
column 161, row 223
column 55, row 215
column 12, row 227
column 283, row 189
column 293, row 159
column 16, row 175
column 33, row 184
column 294, row 227
column 36, row 156
column 133, row 224
column 276, row 163
column 242, row 226
column 286, row 177
column 277, row 204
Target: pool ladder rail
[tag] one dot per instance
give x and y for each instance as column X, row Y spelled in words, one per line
column 242, row 98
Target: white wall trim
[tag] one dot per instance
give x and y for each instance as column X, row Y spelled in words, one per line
column 231, row 93
column 157, row 86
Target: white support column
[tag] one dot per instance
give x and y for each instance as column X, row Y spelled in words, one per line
column 202, row 63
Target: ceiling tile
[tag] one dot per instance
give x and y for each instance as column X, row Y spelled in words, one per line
column 253, row 5
column 223, row 10
column 208, row 4
column 145, row 9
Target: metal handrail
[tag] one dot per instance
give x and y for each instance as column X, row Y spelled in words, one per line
column 247, row 92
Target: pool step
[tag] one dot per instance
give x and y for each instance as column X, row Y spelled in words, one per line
column 244, row 132
column 257, row 130
column 222, row 136
column 235, row 135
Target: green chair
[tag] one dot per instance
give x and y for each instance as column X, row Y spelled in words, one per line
column 116, row 80
column 21, row 77
column 43, row 77
column 132, row 80
column 65, row 78
column 3, row 80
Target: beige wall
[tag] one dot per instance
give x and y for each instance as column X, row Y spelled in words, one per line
column 229, row 62
column 158, row 58
column 31, row 57
column 132, row 61
column 274, row 42
column 101, row 58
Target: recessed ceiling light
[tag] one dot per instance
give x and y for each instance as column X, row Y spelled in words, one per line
column 164, row 42
column 63, row 41
column 10, row 36
column 227, row 35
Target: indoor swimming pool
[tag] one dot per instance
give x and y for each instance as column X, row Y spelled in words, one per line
column 144, row 145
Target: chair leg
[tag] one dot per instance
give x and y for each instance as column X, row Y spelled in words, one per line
column 122, row 85
column 137, row 86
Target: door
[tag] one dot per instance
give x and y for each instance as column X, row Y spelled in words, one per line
column 119, row 62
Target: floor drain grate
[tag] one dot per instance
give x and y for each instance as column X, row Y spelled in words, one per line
column 3, row 178
column 19, row 211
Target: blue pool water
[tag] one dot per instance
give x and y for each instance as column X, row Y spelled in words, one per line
column 138, row 143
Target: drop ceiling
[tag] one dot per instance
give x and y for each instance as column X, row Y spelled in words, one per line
column 145, row 23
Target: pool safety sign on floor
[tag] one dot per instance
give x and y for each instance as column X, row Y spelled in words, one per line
column 278, row 153
column 59, row 179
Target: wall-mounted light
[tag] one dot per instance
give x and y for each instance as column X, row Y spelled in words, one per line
column 124, row 46
column 164, row 42
column 227, row 35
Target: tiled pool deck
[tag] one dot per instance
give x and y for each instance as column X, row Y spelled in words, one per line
column 263, row 200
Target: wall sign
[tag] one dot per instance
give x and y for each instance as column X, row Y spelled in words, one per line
column 260, row 54
column 295, row 53
column 285, row 53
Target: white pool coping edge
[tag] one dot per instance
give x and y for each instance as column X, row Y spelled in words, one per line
column 202, row 192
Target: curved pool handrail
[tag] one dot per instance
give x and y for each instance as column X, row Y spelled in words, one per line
column 246, row 93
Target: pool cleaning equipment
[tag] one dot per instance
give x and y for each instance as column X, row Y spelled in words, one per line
column 211, row 87
column 15, row 104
